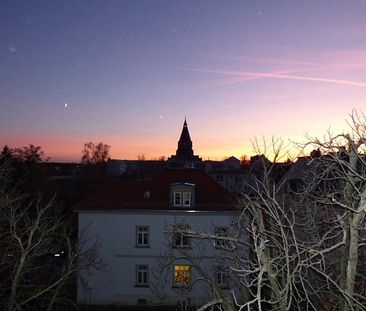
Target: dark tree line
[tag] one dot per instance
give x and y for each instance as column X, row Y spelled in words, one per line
column 40, row 252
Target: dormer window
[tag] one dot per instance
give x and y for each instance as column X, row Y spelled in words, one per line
column 182, row 198
column 187, row 198
column 182, row 195
column 177, row 198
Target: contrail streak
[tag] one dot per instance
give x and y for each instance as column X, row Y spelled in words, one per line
column 249, row 75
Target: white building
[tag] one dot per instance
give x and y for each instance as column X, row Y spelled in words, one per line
column 147, row 260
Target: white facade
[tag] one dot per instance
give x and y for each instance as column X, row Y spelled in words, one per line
column 125, row 260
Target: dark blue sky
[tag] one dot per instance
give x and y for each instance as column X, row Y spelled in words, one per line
column 127, row 72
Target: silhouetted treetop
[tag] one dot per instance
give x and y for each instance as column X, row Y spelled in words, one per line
column 29, row 154
column 95, row 153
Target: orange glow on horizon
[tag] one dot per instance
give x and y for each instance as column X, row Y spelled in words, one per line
column 206, row 145
column 61, row 149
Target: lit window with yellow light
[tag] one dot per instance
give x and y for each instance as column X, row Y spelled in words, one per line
column 182, row 275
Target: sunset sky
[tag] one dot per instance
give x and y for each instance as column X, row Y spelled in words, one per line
column 128, row 72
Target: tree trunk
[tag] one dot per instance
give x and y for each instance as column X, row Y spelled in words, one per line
column 14, row 286
column 354, row 247
column 264, row 256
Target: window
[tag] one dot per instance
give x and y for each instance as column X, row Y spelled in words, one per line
column 186, row 199
column 222, row 276
column 182, row 198
column 180, row 237
column 142, row 236
column 221, row 232
column 147, row 194
column 182, row 195
column 182, row 275
column 177, row 198
column 142, row 275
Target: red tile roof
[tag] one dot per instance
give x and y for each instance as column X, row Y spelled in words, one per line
column 129, row 194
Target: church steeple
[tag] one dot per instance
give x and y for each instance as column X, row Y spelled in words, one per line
column 185, row 150
column 184, row 157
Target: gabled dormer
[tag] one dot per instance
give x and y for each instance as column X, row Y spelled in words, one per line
column 182, row 195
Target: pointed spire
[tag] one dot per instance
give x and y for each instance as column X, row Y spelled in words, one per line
column 184, row 157
column 185, row 150
column 184, row 136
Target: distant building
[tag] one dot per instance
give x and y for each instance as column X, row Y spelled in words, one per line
column 131, row 169
column 184, row 157
column 228, row 173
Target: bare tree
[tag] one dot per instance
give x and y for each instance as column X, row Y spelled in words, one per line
column 29, row 154
column 307, row 227
column 94, row 169
column 339, row 188
column 271, row 269
column 39, row 253
column 306, row 223
column 95, row 153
